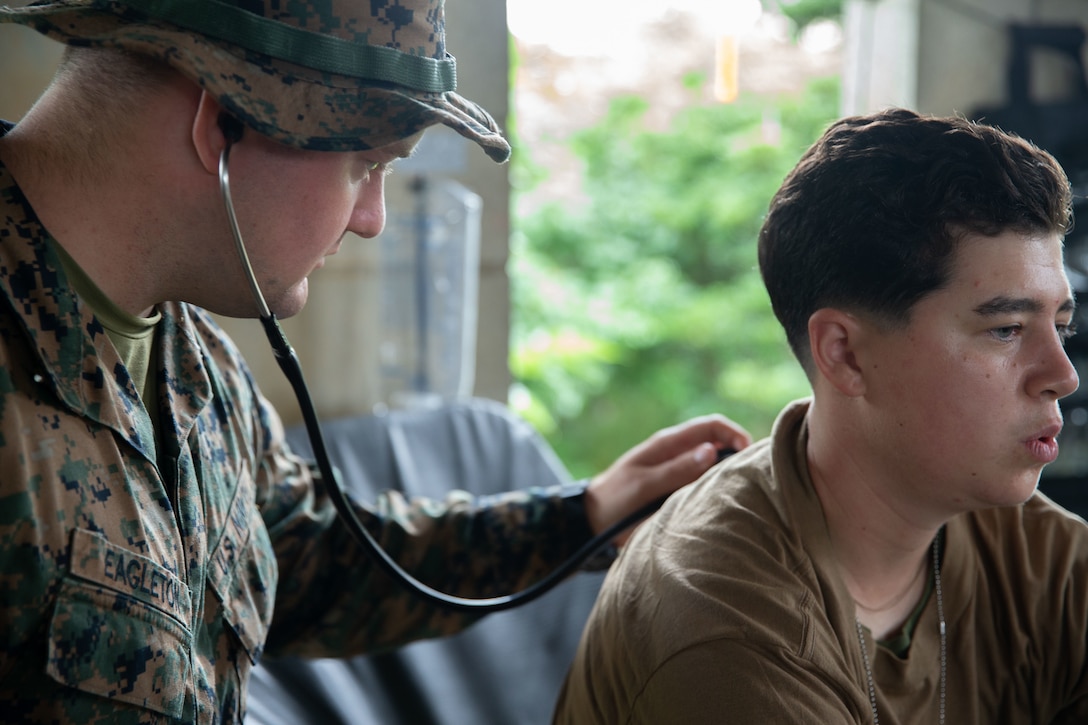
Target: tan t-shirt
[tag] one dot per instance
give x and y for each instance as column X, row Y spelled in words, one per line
column 727, row 608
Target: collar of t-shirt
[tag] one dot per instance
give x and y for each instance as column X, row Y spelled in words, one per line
column 132, row 335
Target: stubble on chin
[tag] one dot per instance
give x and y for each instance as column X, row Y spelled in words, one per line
column 290, row 302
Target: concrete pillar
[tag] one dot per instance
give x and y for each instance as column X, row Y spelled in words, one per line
column 880, row 66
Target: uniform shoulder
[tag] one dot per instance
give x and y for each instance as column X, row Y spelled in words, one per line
column 728, row 556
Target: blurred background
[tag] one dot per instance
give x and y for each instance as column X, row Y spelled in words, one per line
column 604, row 283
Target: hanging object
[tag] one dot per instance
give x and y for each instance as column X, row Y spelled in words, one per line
column 731, row 19
column 429, row 261
column 726, row 69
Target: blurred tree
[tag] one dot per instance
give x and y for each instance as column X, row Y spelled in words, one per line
column 804, row 12
column 645, row 306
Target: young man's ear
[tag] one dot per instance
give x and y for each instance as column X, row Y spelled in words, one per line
column 208, row 137
column 833, row 338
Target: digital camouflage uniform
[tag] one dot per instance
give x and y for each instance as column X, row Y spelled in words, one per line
column 139, row 585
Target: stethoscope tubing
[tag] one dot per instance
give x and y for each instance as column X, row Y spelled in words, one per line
column 289, row 364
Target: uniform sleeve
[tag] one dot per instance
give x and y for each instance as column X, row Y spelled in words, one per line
column 332, row 601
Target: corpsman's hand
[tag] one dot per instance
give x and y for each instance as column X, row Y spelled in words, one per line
column 669, row 459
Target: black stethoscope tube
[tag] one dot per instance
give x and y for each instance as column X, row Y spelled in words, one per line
column 289, row 364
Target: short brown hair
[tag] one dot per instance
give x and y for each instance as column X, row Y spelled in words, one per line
column 871, row 216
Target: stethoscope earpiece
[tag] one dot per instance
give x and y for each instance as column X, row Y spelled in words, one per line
column 231, row 127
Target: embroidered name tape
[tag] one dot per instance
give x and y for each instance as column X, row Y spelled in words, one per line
column 97, row 560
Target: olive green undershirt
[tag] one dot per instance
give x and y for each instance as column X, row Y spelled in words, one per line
column 133, row 336
column 899, row 642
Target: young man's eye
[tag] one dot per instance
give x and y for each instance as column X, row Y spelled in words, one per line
column 1067, row 331
column 1005, row 334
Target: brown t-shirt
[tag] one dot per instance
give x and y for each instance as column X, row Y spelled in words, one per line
column 727, row 608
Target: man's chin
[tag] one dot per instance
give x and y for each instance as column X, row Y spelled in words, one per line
column 286, row 304
column 291, row 302
column 1015, row 492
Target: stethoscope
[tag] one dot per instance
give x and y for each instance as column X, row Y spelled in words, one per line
column 289, row 364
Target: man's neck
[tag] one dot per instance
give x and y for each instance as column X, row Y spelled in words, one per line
column 882, row 555
column 86, row 222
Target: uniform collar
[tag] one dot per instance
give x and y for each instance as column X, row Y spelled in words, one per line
column 78, row 361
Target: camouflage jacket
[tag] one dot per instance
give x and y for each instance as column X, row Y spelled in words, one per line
column 138, row 582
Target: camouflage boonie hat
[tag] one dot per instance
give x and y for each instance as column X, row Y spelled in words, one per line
column 330, row 75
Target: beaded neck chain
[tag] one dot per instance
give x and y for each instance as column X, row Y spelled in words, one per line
column 940, row 618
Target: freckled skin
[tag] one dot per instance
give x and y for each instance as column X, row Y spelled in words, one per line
column 963, row 396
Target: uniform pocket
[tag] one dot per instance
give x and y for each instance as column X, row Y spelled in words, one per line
column 119, row 629
column 243, row 570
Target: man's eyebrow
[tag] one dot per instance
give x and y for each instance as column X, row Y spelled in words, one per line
column 1002, row 305
column 401, row 149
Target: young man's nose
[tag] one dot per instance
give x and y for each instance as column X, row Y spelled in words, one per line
column 1058, row 377
column 368, row 216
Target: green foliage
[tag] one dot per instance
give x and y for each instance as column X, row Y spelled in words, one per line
column 645, row 306
column 803, row 12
